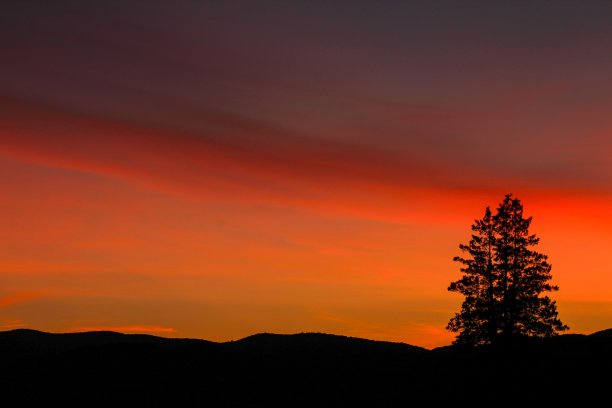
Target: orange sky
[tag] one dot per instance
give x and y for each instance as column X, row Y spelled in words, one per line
column 150, row 189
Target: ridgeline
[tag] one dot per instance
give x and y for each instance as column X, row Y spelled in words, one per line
column 307, row 369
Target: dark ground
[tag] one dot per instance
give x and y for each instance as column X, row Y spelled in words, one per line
column 111, row 369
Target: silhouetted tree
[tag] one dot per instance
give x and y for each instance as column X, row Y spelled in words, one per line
column 503, row 281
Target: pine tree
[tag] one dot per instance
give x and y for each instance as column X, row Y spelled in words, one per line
column 503, row 281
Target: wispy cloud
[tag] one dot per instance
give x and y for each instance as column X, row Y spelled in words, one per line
column 126, row 329
column 20, row 297
column 11, row 324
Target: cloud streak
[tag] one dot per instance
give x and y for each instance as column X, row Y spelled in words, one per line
column 246, row 161
column 19, row 297
column 126, row 329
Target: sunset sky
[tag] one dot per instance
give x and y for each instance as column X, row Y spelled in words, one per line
column 218, row 169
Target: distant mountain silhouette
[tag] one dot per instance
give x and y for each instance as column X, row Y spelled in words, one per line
column 603, row 334
column 26, row 342
column 306, row 369
column 319, row 342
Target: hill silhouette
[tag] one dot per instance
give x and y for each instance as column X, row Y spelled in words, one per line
column 603, row 334
column 306, row 369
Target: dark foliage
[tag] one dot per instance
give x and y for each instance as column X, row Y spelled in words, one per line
column 503, row 281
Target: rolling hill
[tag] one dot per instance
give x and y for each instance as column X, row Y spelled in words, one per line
column 306, row 369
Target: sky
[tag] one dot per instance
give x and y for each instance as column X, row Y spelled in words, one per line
column 219, row 169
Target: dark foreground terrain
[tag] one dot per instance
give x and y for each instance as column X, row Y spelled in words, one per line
column 105, row 368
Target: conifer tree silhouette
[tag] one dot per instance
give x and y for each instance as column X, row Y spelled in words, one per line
column 503, row 281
